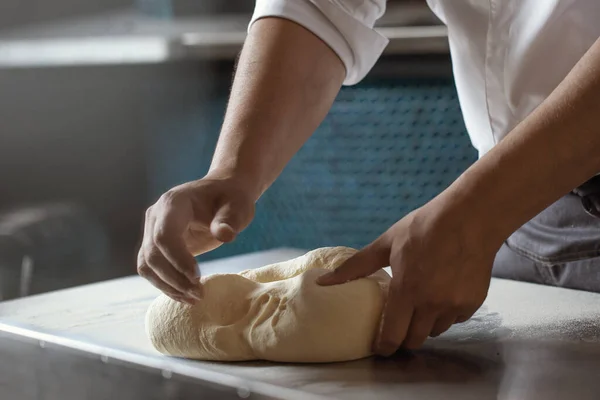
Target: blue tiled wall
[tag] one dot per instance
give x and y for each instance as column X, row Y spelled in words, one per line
column 386, row 147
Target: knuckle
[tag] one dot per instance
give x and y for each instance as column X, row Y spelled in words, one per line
column 437, row 332
column 470, row 307
column 140, row 255
column 440, row 327
column 462, row 318
column 414, row 342
column 435, row 303
column 449, row 302
column 169, row 196
column 478, row 301
column 412, row 346
column 389, row 345
column 154, row 257
column 149, row 211
column 143, row 270
column 159, row 237
column 465, row 314
column 389, row 339
column 422, row 332
column 468, row 313
column 456, row 302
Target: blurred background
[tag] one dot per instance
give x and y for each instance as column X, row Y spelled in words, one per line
column 106, row 105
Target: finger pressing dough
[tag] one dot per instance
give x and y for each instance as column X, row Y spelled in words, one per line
column 275, row 313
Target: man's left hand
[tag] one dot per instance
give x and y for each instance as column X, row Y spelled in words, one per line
column 441, row 274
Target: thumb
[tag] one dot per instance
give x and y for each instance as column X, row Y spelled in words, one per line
column 229, row 220
column 370, row 259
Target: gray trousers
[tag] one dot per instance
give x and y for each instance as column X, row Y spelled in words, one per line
column 560, row 246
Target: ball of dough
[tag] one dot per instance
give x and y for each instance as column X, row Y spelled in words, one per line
column 275, row 313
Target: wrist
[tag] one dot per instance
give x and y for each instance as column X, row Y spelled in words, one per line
column 476, row 230
column 481, row 208
column 245, row 181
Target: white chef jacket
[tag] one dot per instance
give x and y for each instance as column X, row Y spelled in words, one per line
column 507, row 55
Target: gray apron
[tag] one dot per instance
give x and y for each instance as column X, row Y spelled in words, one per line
column 560, row 246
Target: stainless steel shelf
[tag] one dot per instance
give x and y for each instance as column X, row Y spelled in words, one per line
column 129, row 38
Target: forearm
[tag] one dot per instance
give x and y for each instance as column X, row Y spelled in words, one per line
column 285, row 83
column 550, row 153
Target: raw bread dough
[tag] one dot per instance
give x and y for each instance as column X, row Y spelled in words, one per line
column 275, row 313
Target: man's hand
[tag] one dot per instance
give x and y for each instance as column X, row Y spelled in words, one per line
column 441, row 275
column 441, row 255
column 188, row 220
column 285, row 83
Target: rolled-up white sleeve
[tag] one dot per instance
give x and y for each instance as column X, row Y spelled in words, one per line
column 345, row 25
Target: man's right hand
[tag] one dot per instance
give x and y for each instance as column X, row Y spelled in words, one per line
column 188, row 220
column 286, row 81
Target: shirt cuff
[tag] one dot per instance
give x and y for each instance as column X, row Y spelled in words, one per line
column 356, row 44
